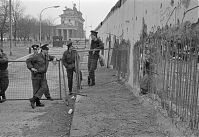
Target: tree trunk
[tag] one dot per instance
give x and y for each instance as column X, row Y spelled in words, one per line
column 15, row 34
column 1, row 44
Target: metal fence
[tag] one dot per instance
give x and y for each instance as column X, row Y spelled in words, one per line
column 82, row 65
column 20, row 83
column 120, row 59
column 173, row 74
column 117, row 57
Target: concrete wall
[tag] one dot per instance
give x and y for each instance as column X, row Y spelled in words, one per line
column 126, row 20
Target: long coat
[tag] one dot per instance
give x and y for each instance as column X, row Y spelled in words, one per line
column 39, row 62
column 68, row 59
column 94, row 55
column 3, row 65
column 4, row 81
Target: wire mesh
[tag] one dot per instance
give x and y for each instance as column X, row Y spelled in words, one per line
column 20, row 83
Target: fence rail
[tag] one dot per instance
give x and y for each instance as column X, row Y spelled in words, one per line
column 173, row 74
column 20, row 83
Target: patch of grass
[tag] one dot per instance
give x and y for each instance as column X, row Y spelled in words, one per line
column 17, row 51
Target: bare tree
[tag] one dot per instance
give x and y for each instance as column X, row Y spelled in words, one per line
column 34, row 29
column 47, row 29
column 17, row 12
column 24, row 31
column 4, row 26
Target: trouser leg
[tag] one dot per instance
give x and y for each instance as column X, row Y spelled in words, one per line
column 70, row 79
column 47, row 91
column 42, row 88
column 39, row 87
column 36, row 84
column 92, row 77
column 80, row 72
column 4, row 82
column 89, row 81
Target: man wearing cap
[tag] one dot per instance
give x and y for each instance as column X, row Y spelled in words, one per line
column 96, row 45
column 68, row 60
column 46, row 93
column 38, row 64
column 4, row 81
column 35, row 49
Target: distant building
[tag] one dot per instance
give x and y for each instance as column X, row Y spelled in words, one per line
column 71, row 26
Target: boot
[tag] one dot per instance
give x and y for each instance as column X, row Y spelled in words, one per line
column 92, row 83
column 70, row 92
column 38, row 103
column 89, row 81
column 32, row 101
column 3, row 98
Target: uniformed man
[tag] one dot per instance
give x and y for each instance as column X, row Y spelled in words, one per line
column 47, row 92
column 4, row 81
column 68, row 60
column 35, row 49
column 93, row 57
column 38, row 65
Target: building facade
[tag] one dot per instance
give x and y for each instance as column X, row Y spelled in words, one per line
column 71, row 26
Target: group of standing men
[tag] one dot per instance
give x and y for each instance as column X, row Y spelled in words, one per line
column 38, row 63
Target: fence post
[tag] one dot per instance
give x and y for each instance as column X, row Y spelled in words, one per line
column 109, row 47
column 29, row 51
column 60, row 80
column 64, row 81
column 77, row 71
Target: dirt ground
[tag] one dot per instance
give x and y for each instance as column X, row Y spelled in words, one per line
column 110, row 109
column 18, row 119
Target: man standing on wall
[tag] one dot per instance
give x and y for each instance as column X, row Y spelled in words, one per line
column 4, row 81
column 38, row 65
column 96, row 45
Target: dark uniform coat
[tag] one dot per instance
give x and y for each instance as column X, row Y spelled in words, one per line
column 39, row 62
column 94, row 55
column 39, row 82
column 68, row 61
column 4, row 81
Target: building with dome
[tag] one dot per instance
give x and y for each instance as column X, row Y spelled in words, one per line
column 71, row 26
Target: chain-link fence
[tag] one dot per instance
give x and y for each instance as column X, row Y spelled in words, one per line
column 117, row 57
column 120, row 59
column 20, row 83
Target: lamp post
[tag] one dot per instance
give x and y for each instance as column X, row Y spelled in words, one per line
column 40, row 21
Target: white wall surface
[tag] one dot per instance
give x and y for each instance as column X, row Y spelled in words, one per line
column 126, row 21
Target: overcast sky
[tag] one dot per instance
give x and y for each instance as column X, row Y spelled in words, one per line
column 94, row 11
